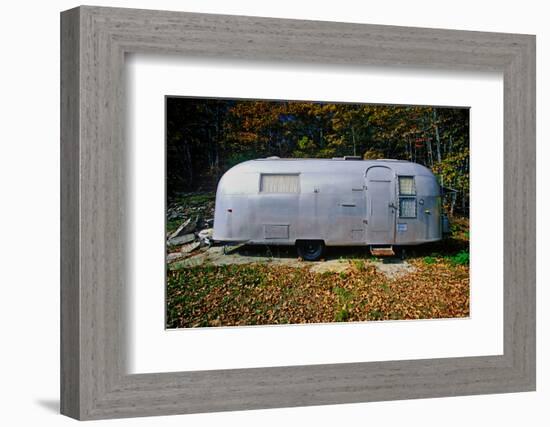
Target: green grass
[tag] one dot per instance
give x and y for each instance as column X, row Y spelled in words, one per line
column 385, row 287
column 359, row 265
column 199, row 199
column 376, row 314
column 342, row 293
column 344, row 304
column 461, row 258
column 173, row 225
column 200, row 281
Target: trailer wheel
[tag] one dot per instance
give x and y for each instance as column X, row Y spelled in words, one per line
column 402, row 253
column 310, row 250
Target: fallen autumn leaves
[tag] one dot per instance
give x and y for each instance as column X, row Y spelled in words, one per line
column 264, row 294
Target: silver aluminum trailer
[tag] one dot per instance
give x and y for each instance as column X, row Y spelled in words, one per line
column 313, row 203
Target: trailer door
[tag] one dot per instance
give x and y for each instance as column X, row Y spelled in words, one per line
column 380, row 216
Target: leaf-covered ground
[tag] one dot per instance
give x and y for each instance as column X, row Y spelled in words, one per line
column 269, row 293
column 261, row 294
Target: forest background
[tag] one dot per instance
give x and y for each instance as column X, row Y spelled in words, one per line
column 205, row 137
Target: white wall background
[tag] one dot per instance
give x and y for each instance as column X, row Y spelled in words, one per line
column 29, row 213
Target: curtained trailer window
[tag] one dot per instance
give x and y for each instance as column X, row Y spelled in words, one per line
column 406, row 186
column 407, row 197
column 279, row 183
column 407, row 207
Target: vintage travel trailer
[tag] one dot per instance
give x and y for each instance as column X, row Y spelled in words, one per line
column 314, row 203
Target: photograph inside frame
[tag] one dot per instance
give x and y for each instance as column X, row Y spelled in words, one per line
column 292, row 212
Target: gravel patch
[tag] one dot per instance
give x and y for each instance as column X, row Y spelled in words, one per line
column 391, row 267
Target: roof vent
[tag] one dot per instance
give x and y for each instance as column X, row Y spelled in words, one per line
column 352, row 158
column 273, row 158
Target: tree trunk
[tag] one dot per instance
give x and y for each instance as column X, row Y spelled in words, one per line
column 189, row 163
column 428, row 143
column 437, row 140
column 429, row 152
column 353, row 140
column 453, row 201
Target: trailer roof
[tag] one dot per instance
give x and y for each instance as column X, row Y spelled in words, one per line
column 335, row 165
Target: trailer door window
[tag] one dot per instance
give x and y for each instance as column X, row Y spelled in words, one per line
column 407, row 197
column 279, row 183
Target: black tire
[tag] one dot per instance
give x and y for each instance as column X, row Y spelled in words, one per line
column 310, row 250
column 402, row 254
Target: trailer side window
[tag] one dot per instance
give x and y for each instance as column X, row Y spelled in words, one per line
column 279, row 183
column 407, row 197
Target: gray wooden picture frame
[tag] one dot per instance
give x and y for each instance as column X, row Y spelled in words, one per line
column 94, row 382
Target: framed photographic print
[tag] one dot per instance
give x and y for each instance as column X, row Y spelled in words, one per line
column 261, row 213
column 316, row 196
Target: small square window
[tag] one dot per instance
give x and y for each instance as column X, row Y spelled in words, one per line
column 406, row 186
column 407, row 207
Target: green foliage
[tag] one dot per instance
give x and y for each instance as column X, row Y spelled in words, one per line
column 455, row 228
column 430, row 260
column 342, row 293
column 172, row 225
column 239, row 157
column 305, row 147
column 373, row 155
column 376, row 314
column 385, row 287
column 360, row 265
column 461, row 258
column 341, row 315
column 344, row 304
column 196, row 199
